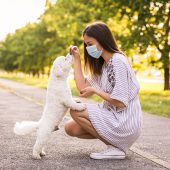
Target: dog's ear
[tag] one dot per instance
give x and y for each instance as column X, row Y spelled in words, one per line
column 58, row 71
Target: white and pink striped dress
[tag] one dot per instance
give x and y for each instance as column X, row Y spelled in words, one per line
column 120, row 127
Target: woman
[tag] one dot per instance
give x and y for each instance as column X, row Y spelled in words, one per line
column 116, row 121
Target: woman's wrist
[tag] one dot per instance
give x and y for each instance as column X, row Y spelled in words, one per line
column 77, row 61
column 96, row 91
column 77, row 58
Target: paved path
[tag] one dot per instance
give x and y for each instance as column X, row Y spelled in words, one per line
column 66, row 152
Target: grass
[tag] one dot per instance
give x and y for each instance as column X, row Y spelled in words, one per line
column 152, row 97
column 156, row 102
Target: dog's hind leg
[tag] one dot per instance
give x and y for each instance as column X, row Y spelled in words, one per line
column 43, row 153
column 42, row 138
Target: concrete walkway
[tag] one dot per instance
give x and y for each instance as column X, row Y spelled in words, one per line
column 20, row 102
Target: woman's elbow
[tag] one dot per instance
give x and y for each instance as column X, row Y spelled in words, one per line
column 117, row 103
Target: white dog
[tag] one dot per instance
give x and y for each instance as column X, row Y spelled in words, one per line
column 58, row 100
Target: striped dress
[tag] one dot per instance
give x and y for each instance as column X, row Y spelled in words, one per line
column 120, row 127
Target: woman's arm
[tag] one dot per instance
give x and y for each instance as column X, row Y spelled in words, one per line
column 81, row 82
column 106, row 96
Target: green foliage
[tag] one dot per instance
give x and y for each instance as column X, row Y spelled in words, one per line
column 137, row 26
column 33, row 48
column 26, row 50
column 149, row 26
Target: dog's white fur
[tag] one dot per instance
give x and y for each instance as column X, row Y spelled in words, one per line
column 58, row 100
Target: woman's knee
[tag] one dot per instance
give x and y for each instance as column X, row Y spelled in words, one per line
column 73, row 129
column 76, row 114
column 68, row 129
column 73, row 114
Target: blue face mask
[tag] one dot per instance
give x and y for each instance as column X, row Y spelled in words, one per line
column 93, row 51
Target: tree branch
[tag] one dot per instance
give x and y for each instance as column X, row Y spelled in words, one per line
column 153, row 39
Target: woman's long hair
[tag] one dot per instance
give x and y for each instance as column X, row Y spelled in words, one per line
column 100, row 32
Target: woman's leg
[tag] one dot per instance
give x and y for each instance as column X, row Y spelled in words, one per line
column 85, row 126
column 82, row 126
column 74, row 129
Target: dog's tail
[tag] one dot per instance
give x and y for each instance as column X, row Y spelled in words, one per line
column 25, row 127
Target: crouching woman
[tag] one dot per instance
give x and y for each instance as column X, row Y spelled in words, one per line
column 116, row 121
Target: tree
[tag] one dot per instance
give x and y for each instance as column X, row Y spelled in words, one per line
column 26, row 50
column 149, row 23
column 136, row 25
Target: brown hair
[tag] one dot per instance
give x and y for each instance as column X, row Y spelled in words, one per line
column 100, row 32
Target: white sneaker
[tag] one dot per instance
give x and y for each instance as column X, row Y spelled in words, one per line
column 110, row 153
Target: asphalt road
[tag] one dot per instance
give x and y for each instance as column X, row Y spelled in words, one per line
column 64, row 152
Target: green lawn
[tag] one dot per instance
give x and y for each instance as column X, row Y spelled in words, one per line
column 153, row 99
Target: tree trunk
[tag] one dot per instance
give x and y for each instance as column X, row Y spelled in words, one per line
column 166, row 79
column 165, row 57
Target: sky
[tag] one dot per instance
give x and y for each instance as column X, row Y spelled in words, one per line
column 15, row 14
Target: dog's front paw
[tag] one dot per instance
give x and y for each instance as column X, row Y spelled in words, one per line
column 77, row 100
column 80, row 107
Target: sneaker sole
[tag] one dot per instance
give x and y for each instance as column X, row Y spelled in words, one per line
column 108, row 157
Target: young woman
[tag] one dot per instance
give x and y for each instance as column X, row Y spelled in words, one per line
column 116, row 121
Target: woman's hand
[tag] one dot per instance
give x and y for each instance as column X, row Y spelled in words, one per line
column 88, row 91
column 74, row 51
